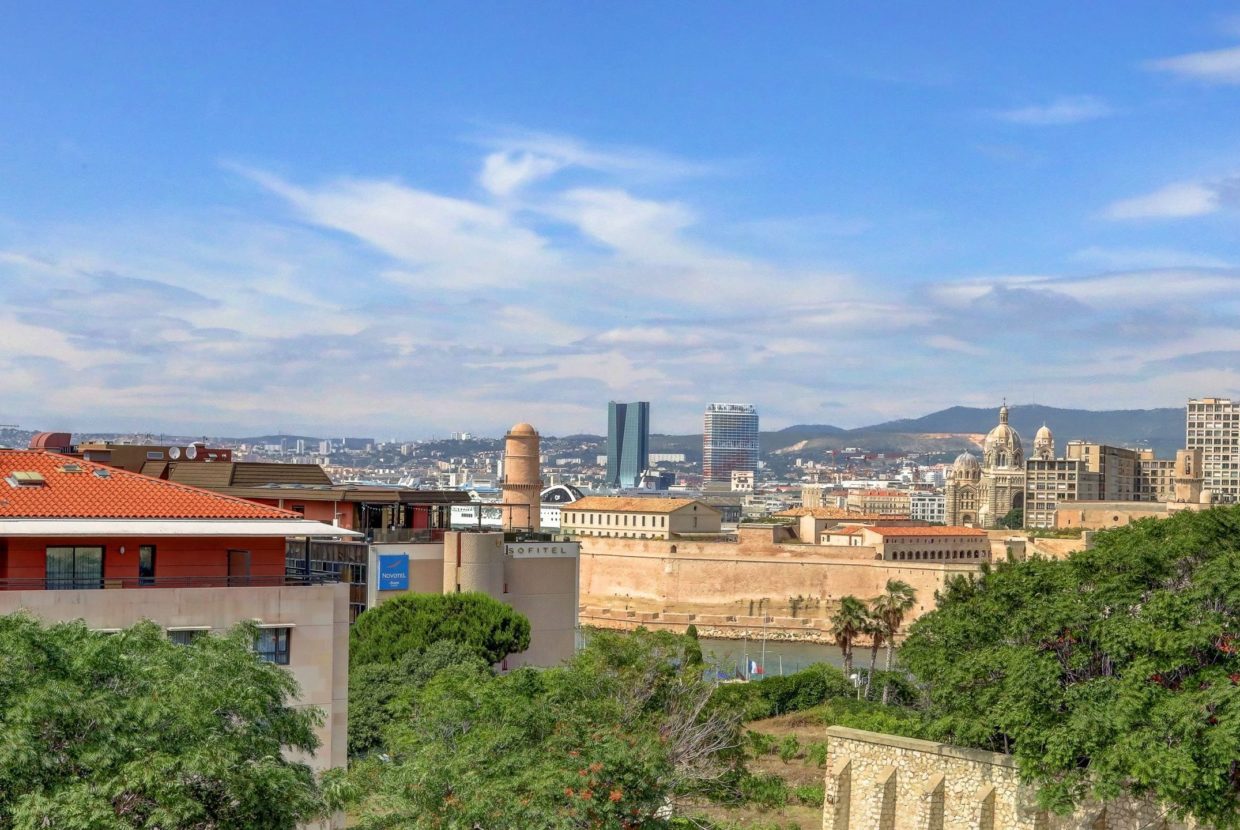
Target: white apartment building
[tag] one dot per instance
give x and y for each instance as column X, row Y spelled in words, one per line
column 928, row 507
column 1214, row 428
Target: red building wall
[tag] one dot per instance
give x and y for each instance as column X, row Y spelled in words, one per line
column 319, row 511
column 26, row 558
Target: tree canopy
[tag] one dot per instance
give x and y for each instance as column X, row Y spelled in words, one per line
column 129, row 730
column 1114, row 669
column 609, row 740
column 414, row 622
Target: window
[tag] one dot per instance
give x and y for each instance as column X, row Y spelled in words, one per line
column 74, row 568
column 146, row 564
column 272, row 644
column 185, row 636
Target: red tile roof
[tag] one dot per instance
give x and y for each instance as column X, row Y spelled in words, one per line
column 632, row 504
column 96, row 491
column 927, row 531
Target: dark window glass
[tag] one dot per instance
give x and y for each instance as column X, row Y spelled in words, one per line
column 74, row 568
column 272, row 645
column 146, row 565
column 184, row 637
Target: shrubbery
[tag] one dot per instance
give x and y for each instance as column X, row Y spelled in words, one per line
column 780, row 695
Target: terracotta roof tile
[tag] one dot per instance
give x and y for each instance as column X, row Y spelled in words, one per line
column 96, row 491
column 631, row 505
column 927, row 531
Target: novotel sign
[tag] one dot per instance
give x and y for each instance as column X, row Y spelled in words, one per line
column 393, row 572
column 542, row 550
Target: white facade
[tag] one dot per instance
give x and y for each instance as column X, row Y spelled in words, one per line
column 1214, row 428
column 928, row 507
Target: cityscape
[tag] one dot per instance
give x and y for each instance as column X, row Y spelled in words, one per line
column 620, row 418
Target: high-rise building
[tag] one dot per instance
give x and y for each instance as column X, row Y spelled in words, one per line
column 1214, row 428
column 628, row 442
column 729, row 441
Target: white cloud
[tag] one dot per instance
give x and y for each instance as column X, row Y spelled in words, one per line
column 1219, row 66
column 566, row 151
column 1066, row 109
column 1175, row 201
column 371, row 305
column 505, row 172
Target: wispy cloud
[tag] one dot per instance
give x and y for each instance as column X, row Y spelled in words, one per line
column 1178, row 200
column 1218, row 66
column 373, row 304
column 1066, row 109
column 1145, row 258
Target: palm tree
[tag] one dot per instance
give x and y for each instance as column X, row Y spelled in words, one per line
column 846, row 623
column 876, row 630
column 889, row 609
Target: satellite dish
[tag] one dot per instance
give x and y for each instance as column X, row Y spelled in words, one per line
column 191, row 452
column 174, row 453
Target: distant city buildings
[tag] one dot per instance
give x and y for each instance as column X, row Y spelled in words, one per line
column 729, row 441
column 628, row 443
column 1214, row 428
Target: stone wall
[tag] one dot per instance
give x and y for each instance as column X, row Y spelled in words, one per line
column 736, row 588
column 886, row 782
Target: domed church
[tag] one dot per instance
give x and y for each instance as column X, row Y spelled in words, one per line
column 981, row 494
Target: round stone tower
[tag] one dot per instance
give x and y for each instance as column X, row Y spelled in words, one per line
column 522, row 484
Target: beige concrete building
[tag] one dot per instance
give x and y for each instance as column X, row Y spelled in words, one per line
column 639, row 518
column 1213, row 426
column 309, row 626
column 537, row 578
column 1049, row 482
column 1182, row 490
column 886, row 782
column 880, row 502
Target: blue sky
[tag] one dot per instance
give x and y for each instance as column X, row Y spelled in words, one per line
column 325, row 218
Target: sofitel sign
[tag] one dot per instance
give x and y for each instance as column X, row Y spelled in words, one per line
column 542, row 550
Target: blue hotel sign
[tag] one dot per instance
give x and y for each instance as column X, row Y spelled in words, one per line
column 393, row 572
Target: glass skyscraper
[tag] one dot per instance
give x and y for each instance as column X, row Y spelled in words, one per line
column 628, row 442
column 729, row 441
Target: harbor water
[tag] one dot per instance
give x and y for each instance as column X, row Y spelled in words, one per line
column 734, row 657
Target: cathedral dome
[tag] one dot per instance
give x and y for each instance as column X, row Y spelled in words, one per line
column 1044, row 434
column 966, row 466
column 1002, row 448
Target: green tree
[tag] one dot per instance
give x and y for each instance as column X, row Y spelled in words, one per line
column 413, row 622
column 1114, row 669
column 129, row 730
column 847, row 623
column 1014, row 519
column 381, row 694
column 889, row 609
column 876, row 630
column 612, row 739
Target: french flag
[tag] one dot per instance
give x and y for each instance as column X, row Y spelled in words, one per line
column 754, row 668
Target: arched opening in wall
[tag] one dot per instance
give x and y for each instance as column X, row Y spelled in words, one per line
column 1018, row 501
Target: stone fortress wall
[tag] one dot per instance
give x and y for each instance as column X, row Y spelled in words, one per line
column 734, row 589
column 886, row 782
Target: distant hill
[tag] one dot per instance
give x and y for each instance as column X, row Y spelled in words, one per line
column 1161, row 429
column 961, row 427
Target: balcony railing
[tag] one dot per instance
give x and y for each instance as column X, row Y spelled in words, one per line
column 76, row 584
column 397, row 535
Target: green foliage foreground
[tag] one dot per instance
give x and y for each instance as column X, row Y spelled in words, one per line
column 414, row 622
column 1114, row 669
column 128, row 730
column 610, row 740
